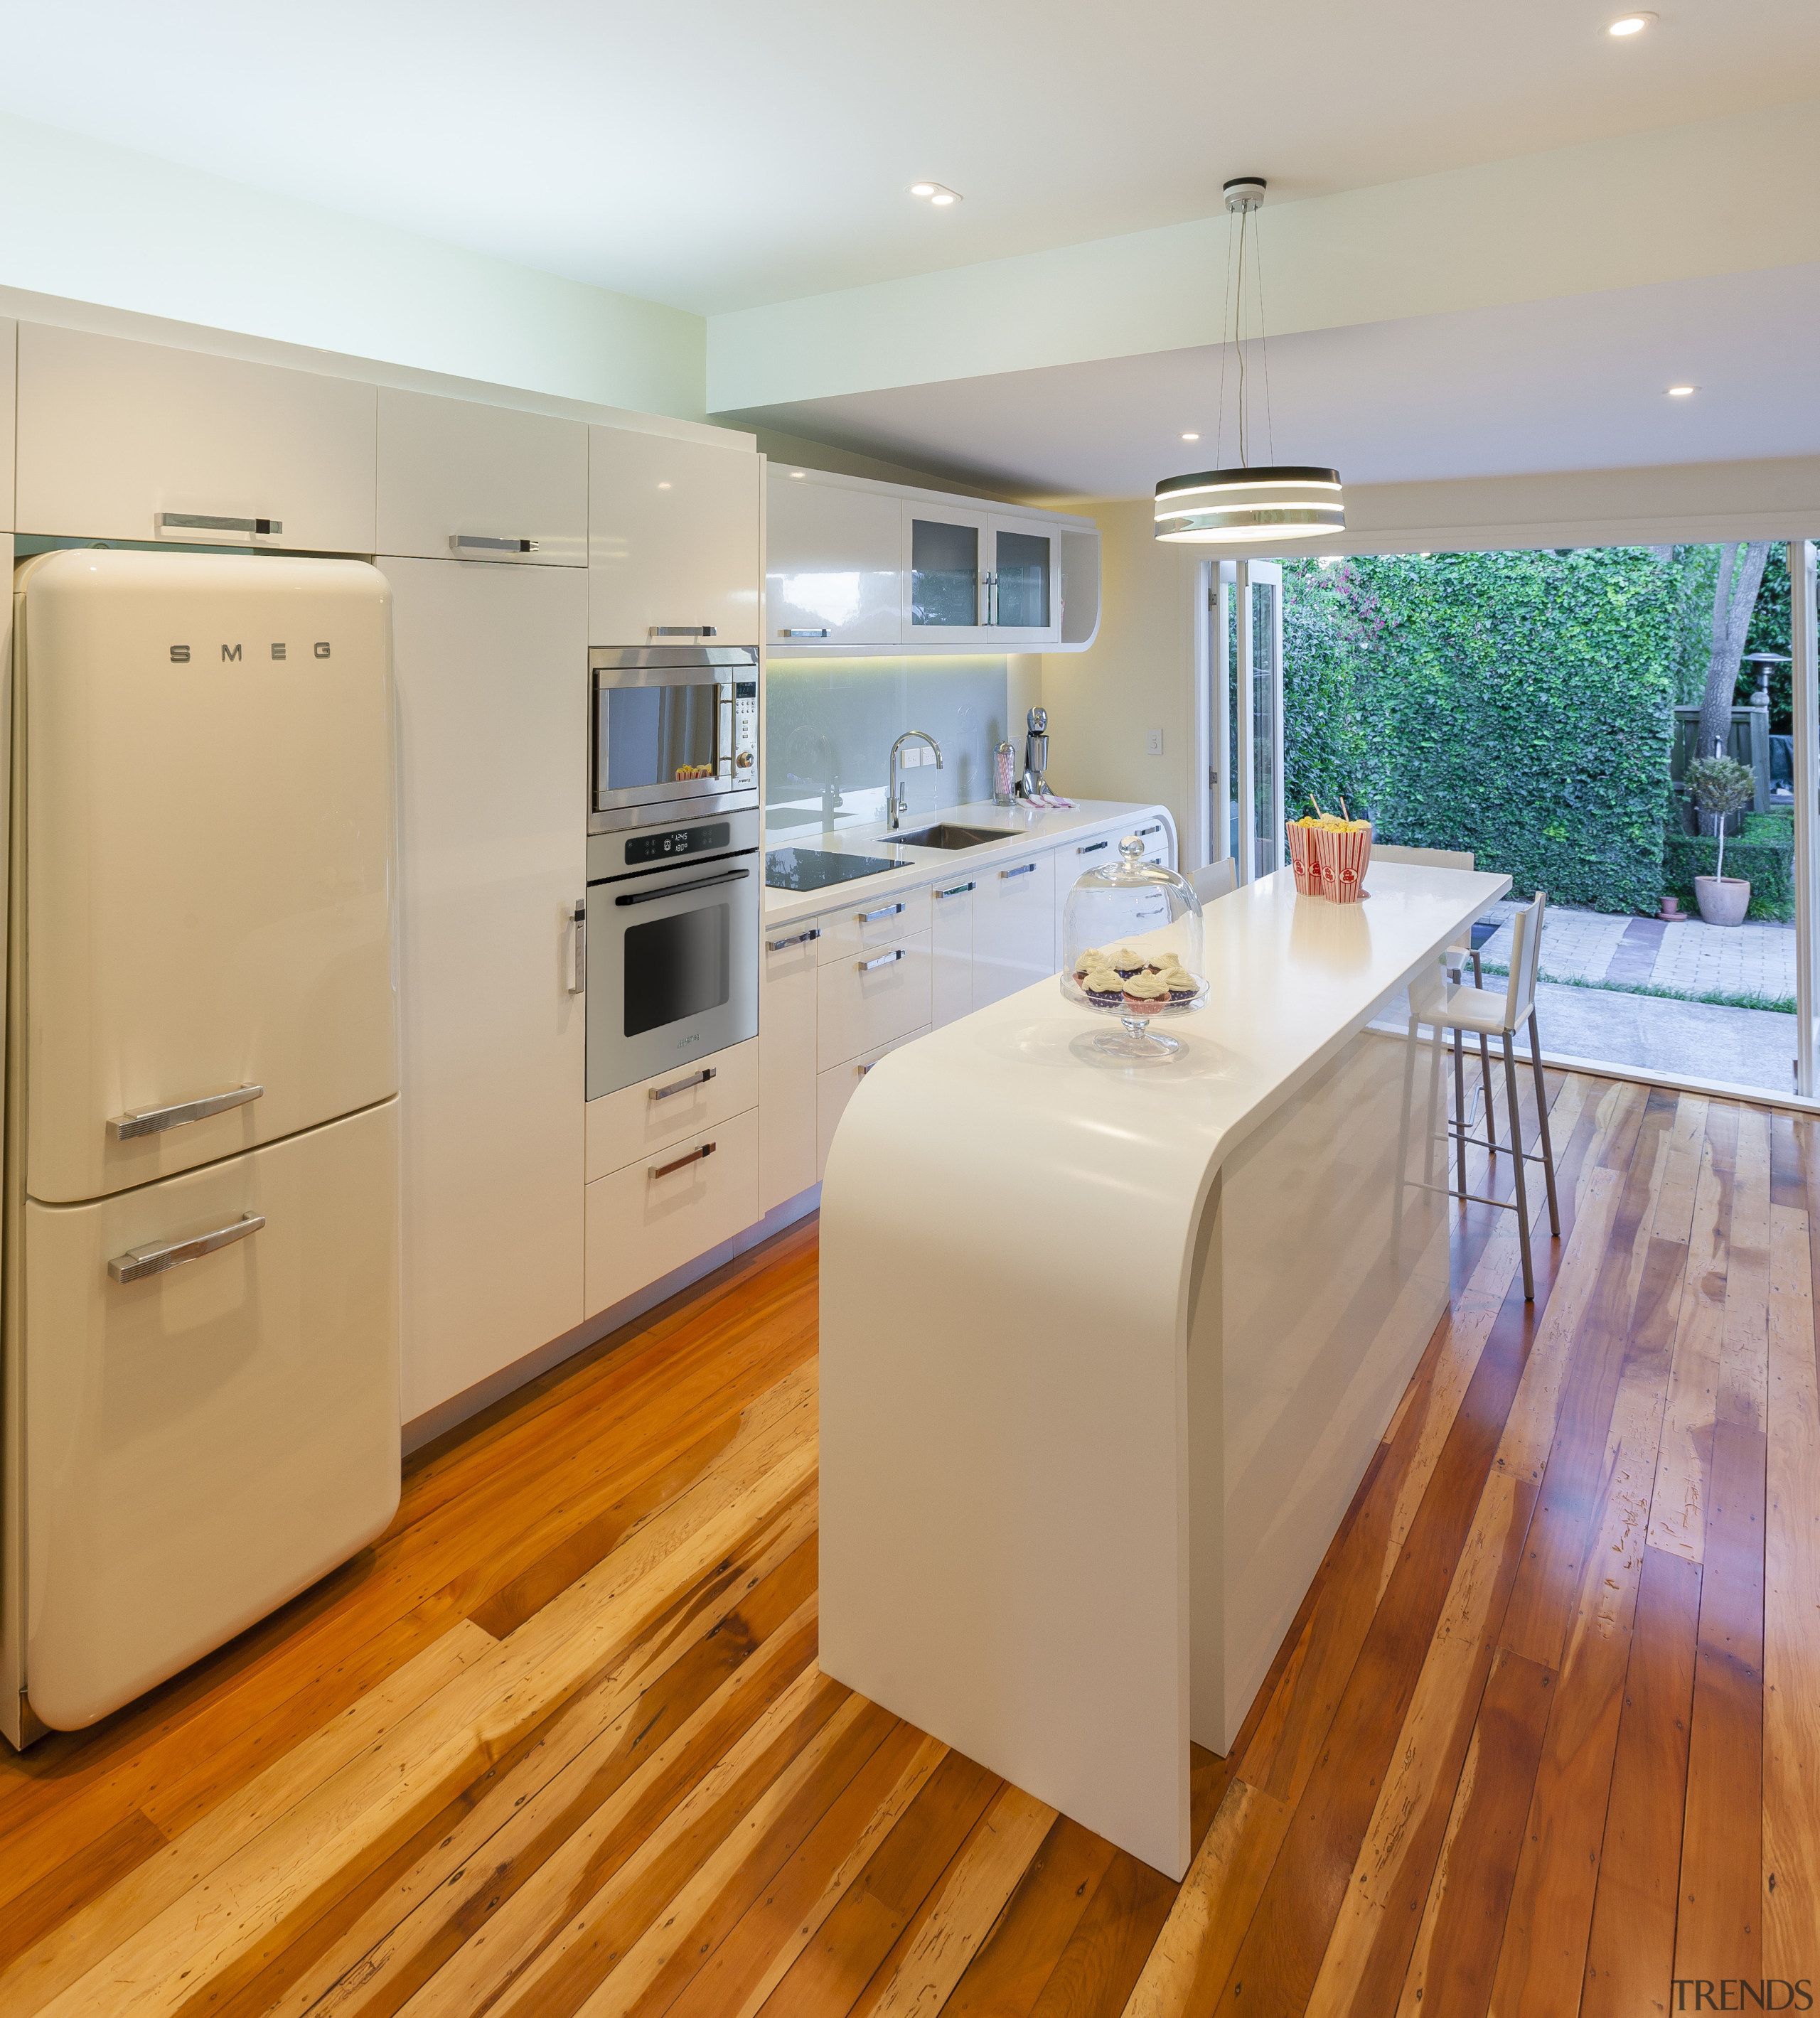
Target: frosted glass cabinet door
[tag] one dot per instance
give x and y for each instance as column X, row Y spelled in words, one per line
column 1026, row 580
column 947, row 554
column 833, row 563
column 113, row 435
column 509, row 486
column 493, row 803
column 673, row 539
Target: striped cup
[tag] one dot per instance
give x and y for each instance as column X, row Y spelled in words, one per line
column 1342, row 857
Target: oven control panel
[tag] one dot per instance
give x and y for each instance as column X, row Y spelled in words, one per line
column 740, row 742
column 645, row 848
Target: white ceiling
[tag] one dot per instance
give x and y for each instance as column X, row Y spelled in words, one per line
column 718, row 155
column 1578, row 383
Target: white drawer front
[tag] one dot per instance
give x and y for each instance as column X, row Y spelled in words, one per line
column 837, row 1085
column 870, row 997
column 859, row 924
column 787, row 1062
column 638, row 1120
column 666, row 1209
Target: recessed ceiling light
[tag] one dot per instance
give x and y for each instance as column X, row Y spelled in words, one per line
column 938, row 193
column 922, row 189
column 796, row 473
column 1630, row 24
column 941, row 197
column 1682, row 392
column 1191, row 437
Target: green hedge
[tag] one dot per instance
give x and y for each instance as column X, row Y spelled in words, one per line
column 1770, row 869
column 1516, row 704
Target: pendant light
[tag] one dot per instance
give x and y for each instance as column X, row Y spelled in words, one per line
column 1268, row 501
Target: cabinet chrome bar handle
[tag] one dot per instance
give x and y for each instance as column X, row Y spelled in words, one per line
column 479, row 543
column 578, row 917
column 684, row 630
column 804, row 633
column 883, row 960
column 1092, row 848
column 682, row 889
column 155, row 1120
column 1155, row 827
column 694, row 1156
column 955, row 890
column 1028, row 868
column 196, row 522
column 143, row 1261
column 682, row 1085
column 796, row 938
column 872, row 917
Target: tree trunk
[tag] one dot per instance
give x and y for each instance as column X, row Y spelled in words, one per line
column 1734, row 599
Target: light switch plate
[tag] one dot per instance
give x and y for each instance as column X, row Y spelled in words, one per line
column 1153, row 741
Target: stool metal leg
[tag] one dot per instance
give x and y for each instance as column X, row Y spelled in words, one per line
column 1403, row 1133
column 1542, row 1119
column 1459, row 1105
column 1517, row 1161
column 1484, row 1065
column 1437, row 1107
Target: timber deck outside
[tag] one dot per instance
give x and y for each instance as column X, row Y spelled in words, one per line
column 1544, row 1737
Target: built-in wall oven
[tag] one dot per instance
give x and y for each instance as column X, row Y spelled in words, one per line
column 675, row 876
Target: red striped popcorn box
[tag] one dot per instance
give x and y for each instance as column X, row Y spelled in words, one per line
column 1301, row 858
column 1342, row 855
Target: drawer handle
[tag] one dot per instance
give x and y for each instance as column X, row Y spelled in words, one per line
column 684, row 630
column 955, row 890
column 1092, row 848
column 872, row 917
column 883, row 960
column 155, row 1120
column 479, row 543
column 682, row 889
column 822, row 633
column 695, row 1157
column 195, row 522
column 1028, row 869
column 798, row 938
column 682, row 1085
column 1157, row 828
column 863, row 1070
column 143, row 1261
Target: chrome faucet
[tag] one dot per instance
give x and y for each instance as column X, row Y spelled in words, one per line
column 897, row 805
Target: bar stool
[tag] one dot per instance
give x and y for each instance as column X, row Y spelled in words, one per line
column 1435, row 1000
column 1218, row 879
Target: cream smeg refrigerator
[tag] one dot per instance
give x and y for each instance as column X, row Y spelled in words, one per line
column 200, row 1270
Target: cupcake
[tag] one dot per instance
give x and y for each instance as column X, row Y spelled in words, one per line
column 1182, row 986
column 1102, row 987
column 1145, row 995
column 1124, row 962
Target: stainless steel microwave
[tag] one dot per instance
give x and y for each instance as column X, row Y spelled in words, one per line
column 675, row 732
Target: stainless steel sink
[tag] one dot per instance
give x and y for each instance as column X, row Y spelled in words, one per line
column 951, row 837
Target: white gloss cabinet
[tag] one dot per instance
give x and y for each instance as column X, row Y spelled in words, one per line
column 833, row 563
column 113, row 435
column 1014, row 927
column 786, row 1061
column 674, row 539
column 669, row 1206
column 9, row 357
column 951, row 949
column 492, row 668
column 458, row 478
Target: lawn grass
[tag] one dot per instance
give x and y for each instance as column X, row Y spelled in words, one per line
column 1780, row 1005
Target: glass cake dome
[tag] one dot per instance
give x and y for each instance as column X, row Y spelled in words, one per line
column 1131, row 947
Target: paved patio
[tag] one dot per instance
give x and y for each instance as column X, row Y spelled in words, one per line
column 1692, row 959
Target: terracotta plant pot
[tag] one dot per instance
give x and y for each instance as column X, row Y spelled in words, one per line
column 1723, row 899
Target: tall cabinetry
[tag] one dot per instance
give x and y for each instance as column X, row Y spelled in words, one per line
column 492, row 665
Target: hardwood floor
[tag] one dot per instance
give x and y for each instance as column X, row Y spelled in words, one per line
column 1544, row 1737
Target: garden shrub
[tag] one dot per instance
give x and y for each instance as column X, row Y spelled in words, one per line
column 1769, row 864
column 1516, row 704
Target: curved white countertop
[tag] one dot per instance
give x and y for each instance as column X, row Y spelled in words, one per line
column 1024, row 827
column 1013, row 1242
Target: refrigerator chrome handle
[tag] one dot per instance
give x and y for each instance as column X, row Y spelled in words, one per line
column 578, row 918
column 480, row 542
column 155, row 1120
column 143, row 1261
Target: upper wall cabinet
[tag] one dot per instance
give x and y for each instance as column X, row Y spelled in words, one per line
column 980, row 576
column 9, row 351
column 674, row 539
column 480, row 483
column 132, row 441
column 832, row 562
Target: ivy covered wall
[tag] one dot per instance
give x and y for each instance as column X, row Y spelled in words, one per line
column 1516, row 704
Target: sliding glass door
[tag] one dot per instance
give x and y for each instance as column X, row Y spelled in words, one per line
column 1244, row 663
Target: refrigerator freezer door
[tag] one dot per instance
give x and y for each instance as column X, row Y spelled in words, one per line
column 208, row 865
column 208, row 1440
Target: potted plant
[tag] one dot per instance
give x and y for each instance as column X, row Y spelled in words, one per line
column 1720, row 786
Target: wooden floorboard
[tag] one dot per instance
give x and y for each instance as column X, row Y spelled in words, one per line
column 1543, row 1736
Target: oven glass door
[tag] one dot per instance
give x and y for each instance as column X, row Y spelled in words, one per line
column 655, row 742
column 672, row 967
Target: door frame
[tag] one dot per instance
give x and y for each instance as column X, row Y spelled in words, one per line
column 1216, row 689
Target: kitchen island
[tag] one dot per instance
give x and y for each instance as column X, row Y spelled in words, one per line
column 1106, row 1349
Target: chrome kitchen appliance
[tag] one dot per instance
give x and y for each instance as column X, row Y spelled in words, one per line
column 675, row 733
column 1037, row 754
